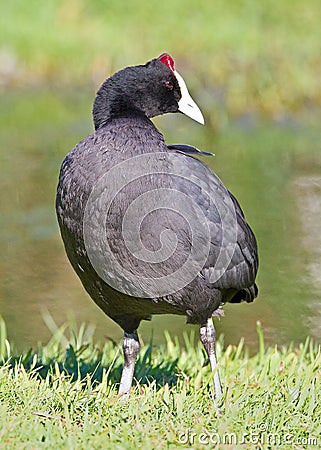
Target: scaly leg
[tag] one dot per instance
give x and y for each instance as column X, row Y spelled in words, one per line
column 130, row 348
column 208, row 336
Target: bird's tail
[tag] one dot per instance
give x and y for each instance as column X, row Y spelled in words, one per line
column 245, row 295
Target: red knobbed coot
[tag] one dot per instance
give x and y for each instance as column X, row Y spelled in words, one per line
column 149, row 228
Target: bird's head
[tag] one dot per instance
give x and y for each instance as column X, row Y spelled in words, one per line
column 151, row 89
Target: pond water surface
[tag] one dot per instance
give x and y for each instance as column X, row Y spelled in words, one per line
column 274, row 170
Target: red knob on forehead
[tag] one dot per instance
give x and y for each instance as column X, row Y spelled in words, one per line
column 166, row 59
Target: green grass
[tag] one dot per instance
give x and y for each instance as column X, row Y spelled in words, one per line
column 64, row 395
column 258, row 56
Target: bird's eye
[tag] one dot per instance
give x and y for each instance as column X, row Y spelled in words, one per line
column 169, row 85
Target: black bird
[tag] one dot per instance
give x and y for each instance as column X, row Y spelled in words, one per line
column 149, row 228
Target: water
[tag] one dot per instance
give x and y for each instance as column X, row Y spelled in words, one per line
column 274, row 170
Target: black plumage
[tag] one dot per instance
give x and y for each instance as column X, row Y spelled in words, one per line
column 124, row 133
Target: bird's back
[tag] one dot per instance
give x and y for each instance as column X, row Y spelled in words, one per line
column 151, row 231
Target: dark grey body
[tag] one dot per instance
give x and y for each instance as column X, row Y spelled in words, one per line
column 120, row 139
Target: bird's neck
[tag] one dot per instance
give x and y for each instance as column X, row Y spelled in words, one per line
column 111, row 103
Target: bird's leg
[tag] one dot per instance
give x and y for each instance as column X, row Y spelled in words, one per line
column 130, row 348
column 208, row 336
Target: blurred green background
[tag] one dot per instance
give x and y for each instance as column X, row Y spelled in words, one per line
column 254, row 70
